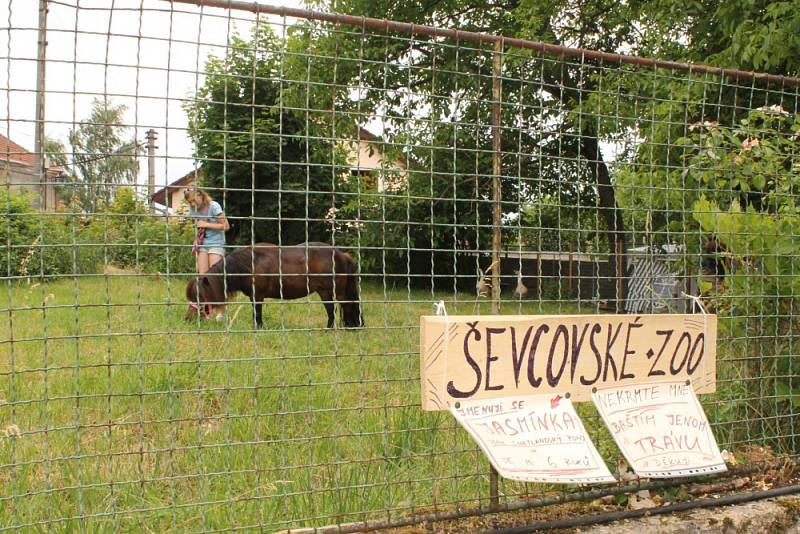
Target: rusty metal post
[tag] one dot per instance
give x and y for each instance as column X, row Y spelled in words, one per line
column 497, row 212
column 539, row 270
column 569, row 266
column 620, row 259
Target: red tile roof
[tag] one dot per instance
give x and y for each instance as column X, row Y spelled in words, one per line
column 160, row 196
column 9, row 150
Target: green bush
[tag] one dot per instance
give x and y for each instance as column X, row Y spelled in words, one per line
column 750, row 204
column 124, row 236
column 143, row 242
column 35, row 244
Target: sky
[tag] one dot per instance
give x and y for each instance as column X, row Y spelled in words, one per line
column 145, row 54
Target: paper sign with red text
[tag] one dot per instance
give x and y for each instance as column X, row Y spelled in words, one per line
column 533, row 438
column 661, row 429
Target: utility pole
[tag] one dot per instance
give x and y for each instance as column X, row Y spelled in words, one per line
column 151, row 167
column 38, row 149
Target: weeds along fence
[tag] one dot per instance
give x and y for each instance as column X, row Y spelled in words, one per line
column 497, row 175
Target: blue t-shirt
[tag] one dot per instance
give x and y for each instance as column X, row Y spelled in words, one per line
column 213, row 237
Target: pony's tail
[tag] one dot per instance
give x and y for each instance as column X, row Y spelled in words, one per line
column 351, row 308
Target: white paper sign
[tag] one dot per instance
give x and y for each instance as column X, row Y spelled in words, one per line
column 533, row 438
column 661, row 429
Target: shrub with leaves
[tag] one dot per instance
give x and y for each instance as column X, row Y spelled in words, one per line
column 753, row 164
column 124, row 236
column 749, row 175
column 32, row 242
column 144, row 242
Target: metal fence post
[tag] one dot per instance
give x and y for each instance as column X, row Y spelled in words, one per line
column 41, row 166
column 497, row 194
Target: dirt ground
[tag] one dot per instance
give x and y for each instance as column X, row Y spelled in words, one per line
column 781, row 515
column 763, row 517
column 751, row 470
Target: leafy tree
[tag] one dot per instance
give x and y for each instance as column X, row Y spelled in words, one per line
column 757, row 35
column 432, row 94
column 751, row 165
column 102, row 155
column 57, row 155
column 752, row 207
column 762, row 35
column 272, row 161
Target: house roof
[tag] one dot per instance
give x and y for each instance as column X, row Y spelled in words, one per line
column 160, row 196
column 9, row 150
column 366, row 135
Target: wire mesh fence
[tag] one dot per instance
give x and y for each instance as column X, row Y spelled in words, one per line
column 494, row 174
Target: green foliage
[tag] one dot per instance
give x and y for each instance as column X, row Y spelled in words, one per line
column 748, row 184
column 552, row 225
column 34, row 243
column 101, row 155
column 273, row 160
column 750, row 164
column 50, row 244
column 764, row 282
column 761, row 35
column 142, row 242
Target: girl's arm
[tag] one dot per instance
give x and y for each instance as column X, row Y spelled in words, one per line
column 221, row 224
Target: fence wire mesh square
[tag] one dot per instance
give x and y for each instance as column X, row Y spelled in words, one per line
column 495, row 175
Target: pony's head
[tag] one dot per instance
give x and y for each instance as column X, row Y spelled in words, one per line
column 351, row 315
column 205, row 296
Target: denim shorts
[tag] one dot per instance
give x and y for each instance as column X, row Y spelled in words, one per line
column 212, row 249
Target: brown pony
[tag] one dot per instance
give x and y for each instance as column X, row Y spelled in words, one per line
column 289, row 272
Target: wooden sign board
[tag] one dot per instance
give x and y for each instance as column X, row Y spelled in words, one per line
column 661, row 429
column 487, row 357
column 533, row 438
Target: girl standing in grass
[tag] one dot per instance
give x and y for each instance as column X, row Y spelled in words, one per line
column 211, row 227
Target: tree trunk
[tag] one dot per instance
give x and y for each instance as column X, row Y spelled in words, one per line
column 562, row 87
column 590, row 149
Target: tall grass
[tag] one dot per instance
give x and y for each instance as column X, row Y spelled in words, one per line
column 116, row 414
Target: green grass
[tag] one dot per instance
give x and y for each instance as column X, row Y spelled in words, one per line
column 115, row 414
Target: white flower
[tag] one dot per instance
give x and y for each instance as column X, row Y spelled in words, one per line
column 748, row 144
column 12, row 431
column 705, row 124
column 776, row 108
